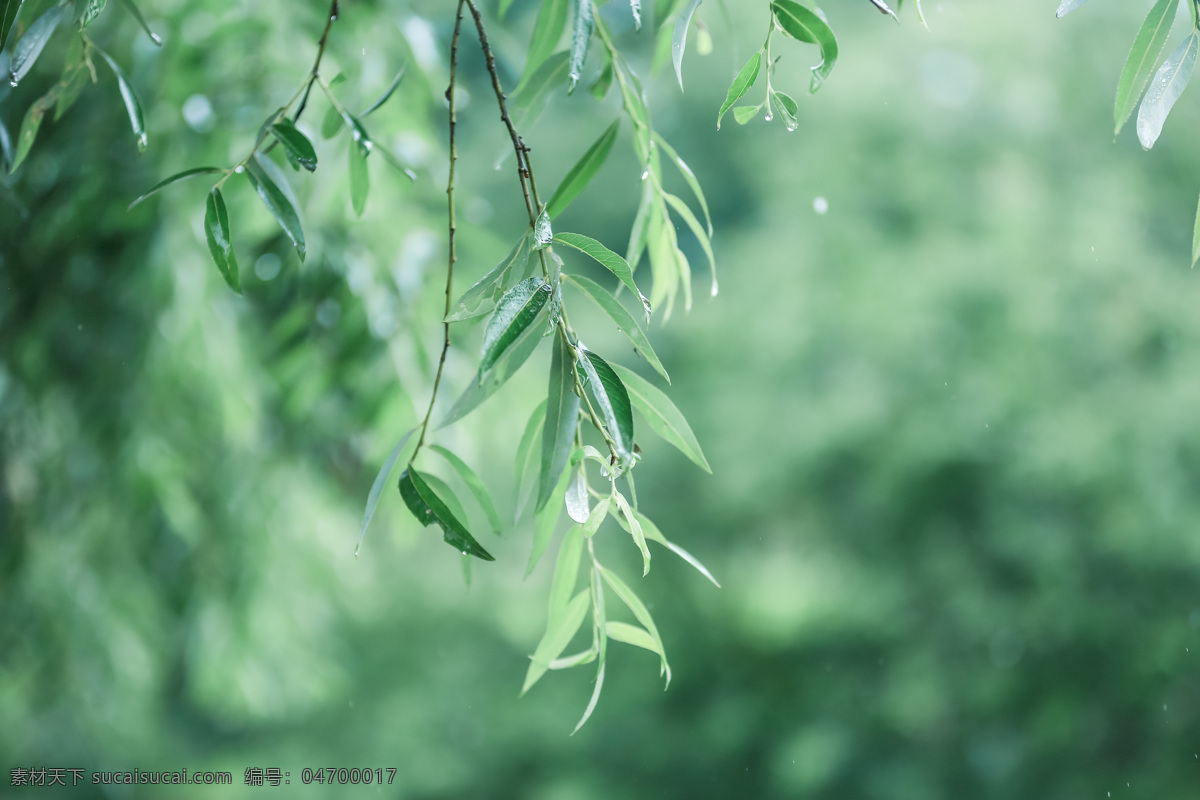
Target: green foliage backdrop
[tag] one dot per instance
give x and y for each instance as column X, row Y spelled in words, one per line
column 946, row 392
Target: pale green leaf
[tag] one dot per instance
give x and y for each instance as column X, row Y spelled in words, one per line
column 551, row 22
column 653, row 534
column 474, row 485
column 625, row 322
column 635, row 530
column 635, row 604
column 491, row 285
column 581, row 36
column 562, row 417
column 583, row 171
column 381, row 480
column 662, row 416
column 1139, row 65
column 545, row 522
column 360, row 180
column 1168, row 84
column 605, row 258
column 558, row 635
column 679, row 37
column 804, row 25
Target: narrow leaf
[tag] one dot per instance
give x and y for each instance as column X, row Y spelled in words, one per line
column 626, row 324
column 30, row 46
column 637, row 231
column 381, row 480
column 485, row 384
column 562, row 417
column 443, row 490
column 8, row 25
column 576, row 499
column 566, row 573
column 653, row 534
column 133, row 106
column 559, row 633
column 359, row 133
column 662, row 416
column 583, row 171
column 178, row 176
column 635, row 6
column 527, row 104
column 280, row 202
column 6, row 149
column 543, row 234
column 516, row 313
column 1067, row 6
column 688, row 176
column 631, row 634
column 635, row 604
column 90, row 11
column 551, row 22
column 545, row 522
column 804, row 25
column 679, row 37
column 387, row 94
column 598, row 514
column 137, row 14
column 331, row 123
column 75, row 76
column 635, row 530
column 216, row 231
column 474, row 485
column 1196, row 238
column 611, row 401
column 525, row 473
column 360, row 180
column 581, row 36
column 681, row 208
column 27, row 134
column 1139, row 65
column 491, row 285
column 428, row 508
column 296, row 143
column 1168, row 84
column 605, row 258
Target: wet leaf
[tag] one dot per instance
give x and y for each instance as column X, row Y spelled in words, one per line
column 662, row 416
column 625, row 322
column 178, row 176
column 1067, row 6
column 137, row 14
column 1139, row 65
column 429, row 509
column 543, row 234
column 581, row 36
column 474, row 485
column 269, row 183
column 360, row 180
column 359, row 133
column 91, row 10
column 562, row 417
column 216, row 231
column 583, row 171
column 295, row 143
column 6, row 149
column 27, row 49
column 1168, row 84
column 679, row 37
column 385, row 472
column 517, row 312
column 551, row 22
column 611, row 401
column 493, row 284
column 607, row 259
column 635, row 7
column 804, row 25
column 133, row 106
column 76, row 75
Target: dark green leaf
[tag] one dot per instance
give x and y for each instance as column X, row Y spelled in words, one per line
column 27, row 134
column 546, row 519
column 626, row 324
column 216, row 231
column 387, row 94
column 485, row 384
column 581, row 36
column 559, row 633
column 804, row 25
column 90, row 11
column 515, row 314
column 662, row 416
column 331, row 123
column 30, row 46
column 428, row 508
column 8, row 25
column 178, row 176
column 551, row 22
column 1139, row 65
column 744, row 114
column 1168, row 84
column 679, row 37
column 611, row 401
column 296, row 143
column 133, row 106
column 443, row 490
column 492, row 285
column 607, row 259
column 75, row 76
column 474, row 484
column 583, row 171
column 381, row 480
column 1064, row 8
column 562, row 415
column 278, row 200
column 360, row 180
column 137, row 13
column 6, row 151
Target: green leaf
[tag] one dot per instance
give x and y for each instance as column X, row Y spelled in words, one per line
column 611, row 401
column 605, row 258
column 543, row 234
column 562, row 417
column 428, row 508
column 581, row 36
column 6, row 151
column 137, row 14
column 443, row 490
column 599, row 641
column 576, row 499
column 635, row 530
column 504, row 5
column 788, row 107
column 637, row 232
column 583, row 171
column 359, row 133
column 474, row 485
column 381, row 480
column 387, row 94
column 360, row 181
column 331, row 123
column 30, row 46
column 626, row 324
column 1064, row 8
column 133, row 106
column 492, row 285
column 178, row 176
column 216, row 231
column 664, row 266
column 634, row 603
column 559, row 633
column 631, row 634
column 525, row 474
column 744, row 114
column 278, row 200
column 635, row 7
column 688, row 176
column 681, row 208
column 653, row 534
column 551, row 22
column 566, row 573
column 545, row 520
column 1196, row 238
column 804, row 25
column 598, row 513
column 679, row 38
column 8, row 23
column 27, row 134
column 526, row 105
column 486, row 383
column 515, row 314
column 296, row 143
column 1168, row 84
column 662, row 416
column 75, row 76
column 603, row 82
column 1139, row 65
column 91, row 11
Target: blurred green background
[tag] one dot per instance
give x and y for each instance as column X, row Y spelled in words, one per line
column 951, row 420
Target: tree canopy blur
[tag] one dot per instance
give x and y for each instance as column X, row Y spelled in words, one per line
column 944, row 390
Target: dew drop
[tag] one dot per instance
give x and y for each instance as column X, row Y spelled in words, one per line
column 12, row 82
column 645, row 174
column 141, row 142
column 154, row 37
column 769, row 117
column 714, row 289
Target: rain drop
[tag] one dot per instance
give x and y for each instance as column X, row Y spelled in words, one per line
column 714, row 289
column 645, row 174
column 141, row 142
column 820, row 205
column 769, row 117
column 12, row 83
